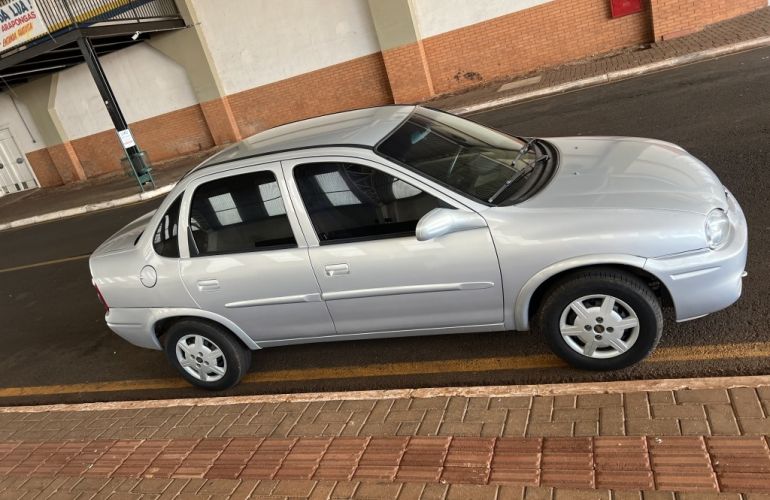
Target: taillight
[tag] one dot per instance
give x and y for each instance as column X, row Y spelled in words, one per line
column 101, row 299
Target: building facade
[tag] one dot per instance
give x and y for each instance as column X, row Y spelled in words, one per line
column 243, row 66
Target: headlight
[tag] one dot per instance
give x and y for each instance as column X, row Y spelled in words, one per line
column 717, row 228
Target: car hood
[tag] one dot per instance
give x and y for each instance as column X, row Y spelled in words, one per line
column 126, row 238
column 625, row 172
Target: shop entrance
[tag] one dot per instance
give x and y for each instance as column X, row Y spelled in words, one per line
column 15, row 174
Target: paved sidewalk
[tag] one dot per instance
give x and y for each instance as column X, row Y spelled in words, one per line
column 572, row 441
column 100, row 190
column 717, row 39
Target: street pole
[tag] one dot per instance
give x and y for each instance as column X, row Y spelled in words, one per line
column 134, row 156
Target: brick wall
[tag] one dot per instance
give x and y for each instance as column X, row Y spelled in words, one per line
column 357, row 83
column 552, row 33
column 44, row 168
column 408, row 74
column 672, row 18
column 65, row 159
column 166, row 136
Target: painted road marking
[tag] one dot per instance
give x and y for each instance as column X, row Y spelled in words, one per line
column 43, row 264
column 509, row 363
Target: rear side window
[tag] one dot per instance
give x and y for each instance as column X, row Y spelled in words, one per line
column 165, row 240
column 242, row 213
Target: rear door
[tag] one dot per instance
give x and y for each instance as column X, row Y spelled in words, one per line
column 245, row 257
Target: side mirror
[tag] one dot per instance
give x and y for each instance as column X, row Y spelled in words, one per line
column 441, row 221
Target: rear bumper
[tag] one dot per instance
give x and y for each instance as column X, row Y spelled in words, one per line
column 706, row 281
column 134, row 325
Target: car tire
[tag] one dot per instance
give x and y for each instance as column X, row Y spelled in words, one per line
column 581, row 301
column 206, row 355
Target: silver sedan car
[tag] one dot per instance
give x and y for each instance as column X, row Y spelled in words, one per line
column 400, row 221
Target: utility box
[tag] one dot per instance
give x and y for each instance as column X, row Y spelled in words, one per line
column 622, row 8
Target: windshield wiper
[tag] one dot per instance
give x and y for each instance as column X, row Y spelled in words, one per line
column 529, row 167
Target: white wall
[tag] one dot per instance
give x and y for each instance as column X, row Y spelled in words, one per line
column 9, row 118
column 256, row 42
column 146, row 84
column 439, row 16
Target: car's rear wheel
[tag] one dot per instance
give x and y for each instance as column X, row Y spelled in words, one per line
column 206, row 355
column 600, row 319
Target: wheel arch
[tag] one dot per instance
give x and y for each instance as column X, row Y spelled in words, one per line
column 531, row 294
column 164, row 320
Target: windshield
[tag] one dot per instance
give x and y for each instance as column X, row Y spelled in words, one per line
column 461, row 154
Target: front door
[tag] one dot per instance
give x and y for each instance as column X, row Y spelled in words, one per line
column 375, row 276
column 246, row 258
column 15, row 174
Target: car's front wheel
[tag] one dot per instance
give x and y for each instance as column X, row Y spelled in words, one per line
column 601, row 319
column 206, row 355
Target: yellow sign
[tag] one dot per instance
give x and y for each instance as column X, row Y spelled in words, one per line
column 20, row 22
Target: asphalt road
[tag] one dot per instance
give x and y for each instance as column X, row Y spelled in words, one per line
column 56, row 347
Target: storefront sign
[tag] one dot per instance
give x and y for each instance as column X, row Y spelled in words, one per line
column 20, row 22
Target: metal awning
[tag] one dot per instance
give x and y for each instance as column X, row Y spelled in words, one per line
column 110, row 24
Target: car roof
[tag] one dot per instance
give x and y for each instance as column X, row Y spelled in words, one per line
column 360, row 127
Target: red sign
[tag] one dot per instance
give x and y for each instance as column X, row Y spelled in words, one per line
column 625, row 7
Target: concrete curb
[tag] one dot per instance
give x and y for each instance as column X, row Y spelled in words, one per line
column 616, row 75
column 623, row 386
column 62, row 214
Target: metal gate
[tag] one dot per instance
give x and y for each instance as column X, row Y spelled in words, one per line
column 15, row 174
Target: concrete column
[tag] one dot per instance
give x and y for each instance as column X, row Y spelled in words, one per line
column 39, row 96
column 402, row 50
column 189, row 49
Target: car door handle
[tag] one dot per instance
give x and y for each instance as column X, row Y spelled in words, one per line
column 337, row 270
column 208, row 285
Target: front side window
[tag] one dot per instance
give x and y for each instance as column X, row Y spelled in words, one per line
column 242, row 213
column 463, row 155
column 165, row 241
column 348, row 202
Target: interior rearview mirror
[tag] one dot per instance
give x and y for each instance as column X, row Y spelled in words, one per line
column 442, row 221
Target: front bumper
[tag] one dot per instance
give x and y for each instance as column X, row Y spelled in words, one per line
column 706, row 281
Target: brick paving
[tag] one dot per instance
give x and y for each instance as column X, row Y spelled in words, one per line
column 683, row 463
column 597, row 445
column 743, row 28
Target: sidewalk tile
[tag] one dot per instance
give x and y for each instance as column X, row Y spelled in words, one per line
column 636, row 405
column 689, row 411
column 468, row 491
column 746, row 402
column 565, row 478
column 521, row 402
column 295, row 488
column 677, row 480
column 528, row 477
column 664, row 427
column 516, row 423
column 722, row 420
column 625, row 479
column 373, row 490
column 702, row 396
column 345, row 489
column 418, row 473
column 661, row 398
column 567, row 494
column 599, row 400
column 744, row 482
